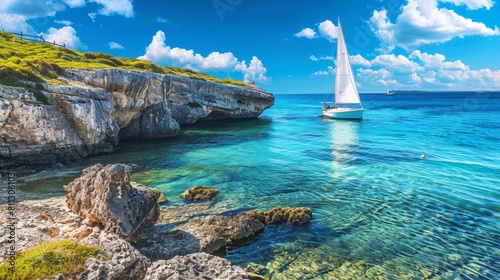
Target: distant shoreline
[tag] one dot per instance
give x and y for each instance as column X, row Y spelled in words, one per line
column 397, row 91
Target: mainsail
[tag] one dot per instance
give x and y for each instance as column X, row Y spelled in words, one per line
column 345, row 87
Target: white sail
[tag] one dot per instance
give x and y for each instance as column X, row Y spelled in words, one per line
column 345, row 87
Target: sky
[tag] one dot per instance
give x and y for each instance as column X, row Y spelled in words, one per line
column 285, row 46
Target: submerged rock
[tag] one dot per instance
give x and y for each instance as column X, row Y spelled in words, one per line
column 104, row 196
column 293, row 216
column 198, row 193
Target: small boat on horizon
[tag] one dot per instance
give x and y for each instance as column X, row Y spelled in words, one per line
column 390, row 92
column 347, row 104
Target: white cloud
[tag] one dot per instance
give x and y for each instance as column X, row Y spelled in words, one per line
column 255, row 72
column 425, row 71
column 314, row 58
column 15, row 23
column 92, row 16
column 118, row 7
column 472, row 4
column 74, row 3
column 359, row 60
column 320, row 73
column 435, row 61
column 158, row 52
column 219, row 61
column 115, row 46
column 383, row 29
column 306, row 33
column 422, row 22
column 415, row 78
column 33, row 8
column 398, row 63
column 63, row 22
column 64, row 36
column 328, row 30
column 330, row 71
column 162, row 20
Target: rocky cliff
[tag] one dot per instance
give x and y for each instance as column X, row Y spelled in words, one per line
column 94, row 109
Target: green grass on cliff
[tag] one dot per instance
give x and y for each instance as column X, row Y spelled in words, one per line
column 48, row 259
column 36, row 62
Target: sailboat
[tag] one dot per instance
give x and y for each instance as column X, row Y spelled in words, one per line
column 389, row 92
column 347, row 104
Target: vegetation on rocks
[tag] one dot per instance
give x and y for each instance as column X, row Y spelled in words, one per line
column 48, row 259
column 25, row 63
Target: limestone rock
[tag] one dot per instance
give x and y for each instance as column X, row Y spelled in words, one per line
column 105, row 196
column 98, row 107
column 187, row 100
column 293, row 216
column 121, row 262
column 193, row 267
column 204, row 234
column 77, row 122
column 198, row 193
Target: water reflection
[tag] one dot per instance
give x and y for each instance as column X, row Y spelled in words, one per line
column 344, row 140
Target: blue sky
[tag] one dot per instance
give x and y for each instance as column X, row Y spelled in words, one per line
column 285, row 46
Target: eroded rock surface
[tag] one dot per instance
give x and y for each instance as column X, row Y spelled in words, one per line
column 195, row 266
column 98, row 107
column 204, row 234
column 104, row 196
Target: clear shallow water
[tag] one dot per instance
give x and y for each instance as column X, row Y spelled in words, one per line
column 380, row 211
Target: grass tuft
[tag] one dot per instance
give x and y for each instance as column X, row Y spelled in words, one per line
column 48, row 259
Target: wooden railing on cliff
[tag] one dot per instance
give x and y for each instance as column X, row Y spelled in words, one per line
column 34, row 38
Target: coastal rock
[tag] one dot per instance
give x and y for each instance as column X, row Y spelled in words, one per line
column 96, row 108
column 121, row 262
column 187, row 99
column 294, row 216
column 105, row 196
column 204, row 234
column 198, row 193
column 77, row 122
column 195, row 266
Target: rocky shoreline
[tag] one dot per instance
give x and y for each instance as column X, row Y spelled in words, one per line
column 92, row 110
column 105, row 209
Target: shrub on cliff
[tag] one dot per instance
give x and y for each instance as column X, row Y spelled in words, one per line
column 48, row 259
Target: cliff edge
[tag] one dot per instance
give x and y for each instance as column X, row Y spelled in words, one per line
column 93, row 109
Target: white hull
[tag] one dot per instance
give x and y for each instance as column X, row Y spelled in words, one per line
column 344, row 113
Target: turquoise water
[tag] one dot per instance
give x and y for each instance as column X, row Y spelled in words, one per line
column 380, row 210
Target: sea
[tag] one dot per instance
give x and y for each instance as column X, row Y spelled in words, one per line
column 412, row 191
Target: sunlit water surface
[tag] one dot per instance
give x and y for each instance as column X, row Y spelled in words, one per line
column 380, row 210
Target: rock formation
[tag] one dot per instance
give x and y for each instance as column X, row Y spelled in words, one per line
column 198, row 193
column 195, row 266
column 105, row 196
column 78, row 122
column 293, row 216
column 111, row 212
column 98, row 107
column 204, row 234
